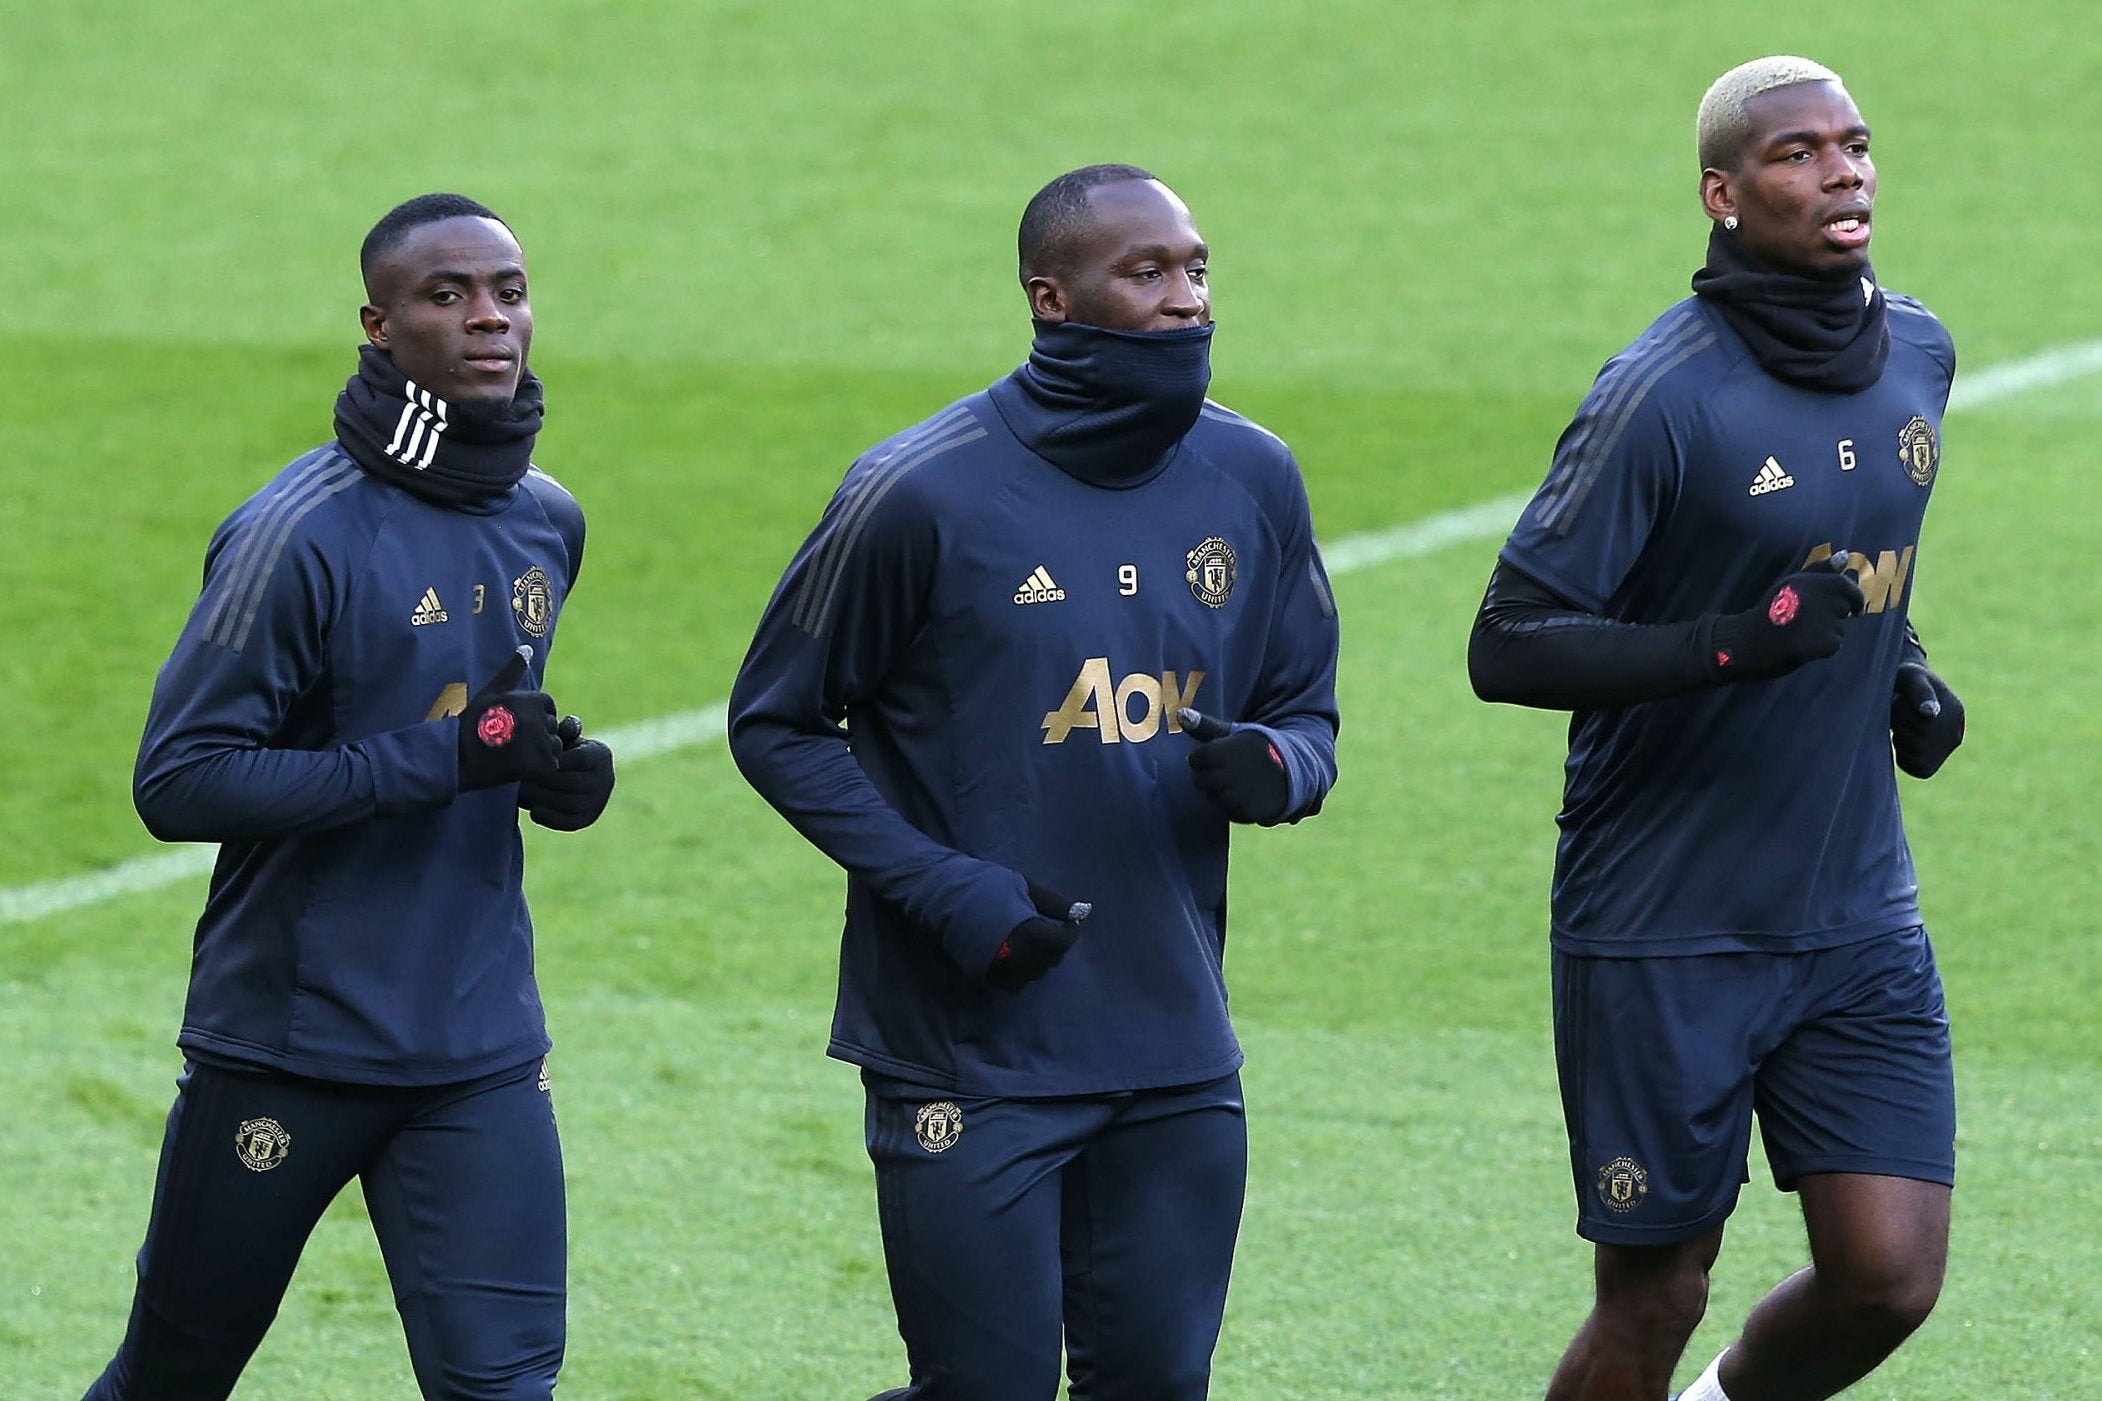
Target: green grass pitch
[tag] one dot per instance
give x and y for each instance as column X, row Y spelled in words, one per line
column 763, row 236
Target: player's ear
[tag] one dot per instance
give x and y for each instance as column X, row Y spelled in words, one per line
column 1718, row 199
column 1047, row 299
column 374, row 319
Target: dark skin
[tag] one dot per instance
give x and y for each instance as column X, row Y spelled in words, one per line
column 1803, row 188
column 1878, row 1250
column 449, row 304
column 1139, row 265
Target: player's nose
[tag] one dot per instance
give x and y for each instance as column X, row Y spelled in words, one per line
column 1184, row 300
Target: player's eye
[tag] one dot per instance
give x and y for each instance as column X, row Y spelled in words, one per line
column 1198, row 273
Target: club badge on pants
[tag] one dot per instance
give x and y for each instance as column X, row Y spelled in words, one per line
column 938, row 1126
column 262, row 1144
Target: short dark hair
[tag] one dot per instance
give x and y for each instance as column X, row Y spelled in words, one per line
column 1058, row 214
column 398, row 222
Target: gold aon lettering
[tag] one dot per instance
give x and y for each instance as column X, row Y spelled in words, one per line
column 1882, row 579
column 1134, row 708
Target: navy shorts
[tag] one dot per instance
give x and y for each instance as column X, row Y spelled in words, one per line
column 1842, row 1053
column 1104, row 1222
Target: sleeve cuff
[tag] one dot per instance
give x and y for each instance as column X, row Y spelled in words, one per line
column 1310, row 771
column 979, row 912
column 414, row 769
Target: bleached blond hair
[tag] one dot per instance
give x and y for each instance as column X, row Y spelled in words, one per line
column 1722, row 128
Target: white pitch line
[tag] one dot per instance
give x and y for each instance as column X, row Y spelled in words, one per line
column 1481, row 521
column 2039, row 371
column 50, row 897
column 689, row 728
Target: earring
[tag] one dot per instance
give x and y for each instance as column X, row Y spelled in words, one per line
column 1730, row 222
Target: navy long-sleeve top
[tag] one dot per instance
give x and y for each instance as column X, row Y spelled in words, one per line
column 968, row 679
column 1759, row 815
column 366, row 921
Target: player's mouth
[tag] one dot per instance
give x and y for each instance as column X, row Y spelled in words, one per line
column 1848, row 229
column 496, row 361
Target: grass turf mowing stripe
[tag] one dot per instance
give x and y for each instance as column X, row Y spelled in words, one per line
column 687, row 728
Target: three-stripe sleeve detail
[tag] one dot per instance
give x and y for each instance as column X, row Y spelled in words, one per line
column 1321, row 590
column 263, row 543
column 323, row 464
column 950, row 429
column 1594, row 447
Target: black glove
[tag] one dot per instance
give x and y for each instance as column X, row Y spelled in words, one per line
column 1238, row 768
column 1802, row 619
column 1926, row 721
column 571, row 798
column 1034, row 947
column 507, row 732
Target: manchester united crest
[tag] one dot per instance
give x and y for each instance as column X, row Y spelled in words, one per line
column 261, row 1144
column 1622, row 1184
column 533, row 602
column 1919, row 449
column 1211, row 572
column 938, row 1126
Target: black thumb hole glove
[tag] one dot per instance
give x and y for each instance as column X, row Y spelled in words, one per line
column 1802, row 619
column 572, row 797
column 507, row 731
column 1034, row 947
column 1926, row 721
column 1238, row 768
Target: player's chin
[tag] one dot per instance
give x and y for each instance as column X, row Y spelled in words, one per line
column 1835, row 259
column 486, row 395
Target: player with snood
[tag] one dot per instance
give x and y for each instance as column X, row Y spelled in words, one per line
column 353, row 712
column 1715, row 580
column 1039, row 653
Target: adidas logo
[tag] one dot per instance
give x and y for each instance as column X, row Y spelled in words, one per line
column 422, row 424
column 1039, row 588
column 1771, row 478
column 428, row 610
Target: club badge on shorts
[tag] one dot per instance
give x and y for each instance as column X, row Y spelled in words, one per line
column 261, row 1144
column 1622, row 1184
column 938, row 1125
column 1211, row 572
column 1919, row 450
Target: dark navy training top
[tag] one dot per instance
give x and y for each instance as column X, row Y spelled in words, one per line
column 365, row 921
column 1761, row 815
column 969, row 677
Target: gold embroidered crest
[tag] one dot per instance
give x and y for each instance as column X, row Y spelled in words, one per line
column 1211, row 573
column 1919, row 449
column 533, row 602
column 938, row 1125
column 261, row 1144
column 1622, row 1184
